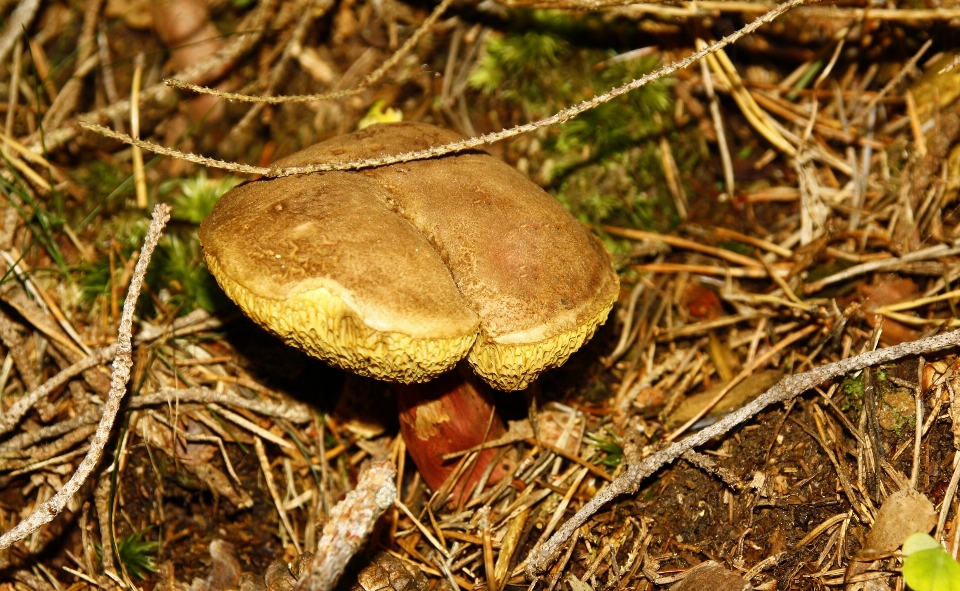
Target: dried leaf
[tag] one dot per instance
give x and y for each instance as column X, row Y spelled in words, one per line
column 388, row 573
column 713, row 576
column 903, row 513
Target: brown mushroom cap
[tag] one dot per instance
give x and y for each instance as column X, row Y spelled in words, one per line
column 323, row 263
column 539, row 282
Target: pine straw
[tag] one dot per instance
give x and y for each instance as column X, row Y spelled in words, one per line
column 834, row 256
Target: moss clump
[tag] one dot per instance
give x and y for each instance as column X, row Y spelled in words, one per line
column 178, row 273
column 138, row 555
column 193, row 199
column 522, row 67
column 611, row 445
column 853, row 390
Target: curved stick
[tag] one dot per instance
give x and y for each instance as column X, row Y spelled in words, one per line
column 122, row 363
column 630, row 480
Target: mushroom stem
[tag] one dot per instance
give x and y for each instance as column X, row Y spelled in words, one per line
column 449, row 414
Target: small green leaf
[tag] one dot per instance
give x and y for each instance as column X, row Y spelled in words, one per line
column 612, row 446
column 928, row 567
column 379, row 113
column 919, row 542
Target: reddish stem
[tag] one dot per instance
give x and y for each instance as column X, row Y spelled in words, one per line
column 450, row 414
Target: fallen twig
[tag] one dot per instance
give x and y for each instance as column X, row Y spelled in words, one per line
column 25, row 403
column 350, row 522
column 46, row 511
column 630, row 479
column 367, row 82
column 940, row 251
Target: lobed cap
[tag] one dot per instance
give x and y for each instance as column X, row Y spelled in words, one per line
column 399, row 272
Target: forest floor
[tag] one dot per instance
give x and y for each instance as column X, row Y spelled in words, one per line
column 788, row 202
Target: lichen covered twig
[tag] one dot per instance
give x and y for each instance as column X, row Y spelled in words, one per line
column 46, row 511
column 350, row 522
column 630, row 479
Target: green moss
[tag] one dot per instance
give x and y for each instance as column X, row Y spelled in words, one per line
column 620, row 190
column 853, row 389
column 738, row 247
column 520, row 67
column 902, row 422
column 179, row 268
column 611, row 445
column 604, row 165
column 880, row 375
column 137, row 554
column 193, row 199
column 95, row 279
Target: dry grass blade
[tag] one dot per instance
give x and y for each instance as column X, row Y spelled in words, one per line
column 718, row 127
column 719, row 253
column 748, row 273
column 426, row 532
column 758, row 118
column 13, row 97
column 139, row 177
column 272, row 487
column 17, row 22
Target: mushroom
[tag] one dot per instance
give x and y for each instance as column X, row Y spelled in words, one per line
column 400, row 272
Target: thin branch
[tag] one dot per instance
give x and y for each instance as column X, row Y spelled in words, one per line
column 25, row 403
column 46, row 511
column 467, row 144
column 708, row 8
column 30, row 437
column 739, row 378
column 940, row 251
column 630, row 479
column 158, row 149
column 371, row 78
